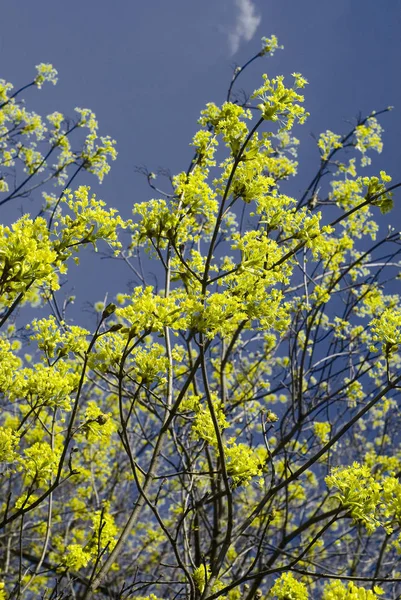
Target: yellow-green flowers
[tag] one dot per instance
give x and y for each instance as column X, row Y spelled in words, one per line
column 227, row 426
column 289, row 588
column 46, row 72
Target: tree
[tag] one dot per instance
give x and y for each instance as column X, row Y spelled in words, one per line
column 232, row 432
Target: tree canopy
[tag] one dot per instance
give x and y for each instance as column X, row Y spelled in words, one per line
column 232, row 430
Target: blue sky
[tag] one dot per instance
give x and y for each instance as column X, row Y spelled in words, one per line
column 148, row 67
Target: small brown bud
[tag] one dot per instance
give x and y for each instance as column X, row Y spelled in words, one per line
column 110, row 308
column 102, row 419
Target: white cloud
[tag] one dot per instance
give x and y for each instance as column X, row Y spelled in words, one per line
column 245, row 26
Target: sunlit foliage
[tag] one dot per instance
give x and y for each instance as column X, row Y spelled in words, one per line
column 230, row 430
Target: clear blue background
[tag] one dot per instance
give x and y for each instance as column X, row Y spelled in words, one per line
column 148, row 67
